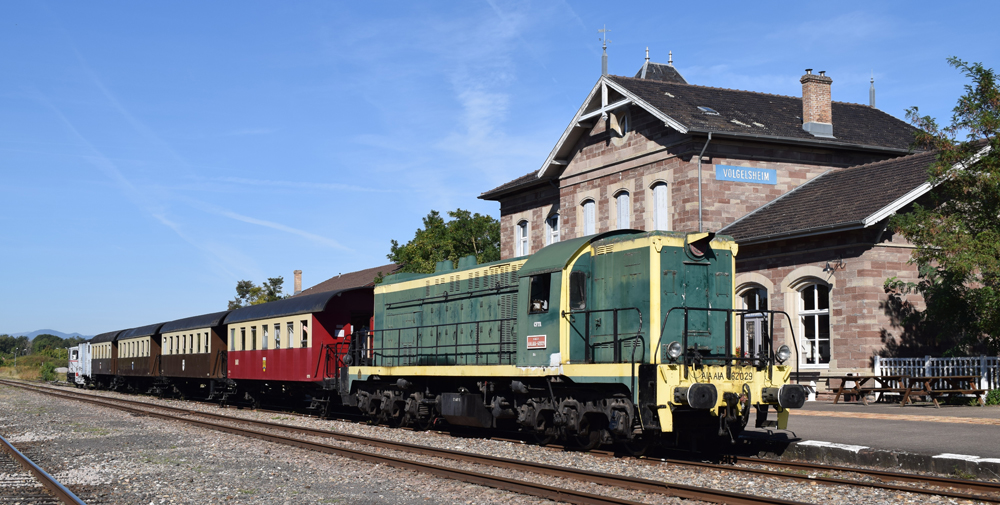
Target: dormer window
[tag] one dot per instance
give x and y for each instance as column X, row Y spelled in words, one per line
column 623, row 125
column 708, row 110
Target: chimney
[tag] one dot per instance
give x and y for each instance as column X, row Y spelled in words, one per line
column 817, row 113
column 298, row 282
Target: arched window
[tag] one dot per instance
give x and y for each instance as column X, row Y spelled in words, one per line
column 589, row 216
column 814, row 324
column 522, row 239
column 661, row 216
column 624, row 210
column 754, row 325
column 552, row 229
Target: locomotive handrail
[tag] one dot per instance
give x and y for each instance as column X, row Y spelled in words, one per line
column 447, row 296
column 617, row 358
column 383, row 351
column 728, row 359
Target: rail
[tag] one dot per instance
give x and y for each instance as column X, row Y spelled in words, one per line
column 47, row 481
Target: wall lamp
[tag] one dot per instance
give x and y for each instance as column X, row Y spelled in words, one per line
column 833, row 267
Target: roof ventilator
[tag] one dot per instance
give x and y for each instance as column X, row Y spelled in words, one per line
column 708, row 110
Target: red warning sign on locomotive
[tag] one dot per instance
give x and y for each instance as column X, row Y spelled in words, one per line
column 536, row 341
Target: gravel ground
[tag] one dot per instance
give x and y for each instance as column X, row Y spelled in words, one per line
column 125, row 459
column 729, row 481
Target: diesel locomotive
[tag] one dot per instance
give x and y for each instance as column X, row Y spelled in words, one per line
column 625, row 337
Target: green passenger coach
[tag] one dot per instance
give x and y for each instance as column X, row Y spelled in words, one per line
column 621, row 337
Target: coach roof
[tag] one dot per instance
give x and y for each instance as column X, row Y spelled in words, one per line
column 142, row 331
column 106, row 337
column 190, row 323
column 287, row 307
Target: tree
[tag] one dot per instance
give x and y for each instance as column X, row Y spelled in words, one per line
column 248, row 293
column 47, row 341
column 956, row 230
column 466, row 234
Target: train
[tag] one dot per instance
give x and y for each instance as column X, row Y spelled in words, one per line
column 626, row 338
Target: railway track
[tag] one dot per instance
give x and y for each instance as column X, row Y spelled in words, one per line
column 522, row 486
column 807, row 472
column 24, row 482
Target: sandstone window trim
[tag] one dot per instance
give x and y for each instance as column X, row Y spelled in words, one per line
column 522, row 236
column 589, row 216
column 815, row 336
column 623, row 209
column 552, row 229
column 659, row 192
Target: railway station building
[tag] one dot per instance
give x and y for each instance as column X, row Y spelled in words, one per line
column 804, row 184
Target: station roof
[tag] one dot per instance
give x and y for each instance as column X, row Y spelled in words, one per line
column 838, row 200
column 105, row 337
column 306, row 304
column 142, row 331
column 193, row 322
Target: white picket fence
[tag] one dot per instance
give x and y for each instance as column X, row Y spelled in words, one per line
column 987, row 368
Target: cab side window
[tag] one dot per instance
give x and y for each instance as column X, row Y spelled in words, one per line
column 539, row 293
column 578, row 291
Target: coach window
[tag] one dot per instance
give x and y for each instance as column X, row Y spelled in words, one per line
column 253, row 338
column 277, row 335
column 661, row 215
column 263, row 336
column 243, row 339
column 539, row 293
column 522, row 239
column 198, row 344
column 290, row 333
column 552, row 229
column 305, row 333
column 589, row 215
column 207, row 335
column 814, row 324
column 624, row 209
column 232, row 339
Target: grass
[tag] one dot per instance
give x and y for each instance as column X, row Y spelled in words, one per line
column 962, row 475
column 33, row 367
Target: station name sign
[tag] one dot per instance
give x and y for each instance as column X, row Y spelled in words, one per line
column 746, row 174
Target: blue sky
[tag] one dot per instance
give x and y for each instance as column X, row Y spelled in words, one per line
column 153, row 154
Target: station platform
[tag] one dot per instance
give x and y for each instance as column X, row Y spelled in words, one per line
column 952, row 439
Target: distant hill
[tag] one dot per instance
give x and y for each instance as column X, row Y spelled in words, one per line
column 32, row 334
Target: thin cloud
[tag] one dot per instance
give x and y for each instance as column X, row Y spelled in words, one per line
column 270, row 224
column 300, row 185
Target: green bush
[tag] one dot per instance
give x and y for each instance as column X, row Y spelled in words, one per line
column 48, row 371
column 993, row 397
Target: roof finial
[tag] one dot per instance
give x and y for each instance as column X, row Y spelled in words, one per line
column 647, row 53
column 604, row 57
column 871, row 91
column 670, row 58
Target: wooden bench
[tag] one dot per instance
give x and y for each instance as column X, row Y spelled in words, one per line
column 882, row 384
column 953, row 385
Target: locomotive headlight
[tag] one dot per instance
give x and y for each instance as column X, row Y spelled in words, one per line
column 783, row 354
column 674, row 350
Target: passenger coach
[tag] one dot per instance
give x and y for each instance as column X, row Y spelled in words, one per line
column 194, row 355
column 139, row 358
column 294, row 348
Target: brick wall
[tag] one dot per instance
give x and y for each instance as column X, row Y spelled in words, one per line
column 860, row 326
column 605, row 164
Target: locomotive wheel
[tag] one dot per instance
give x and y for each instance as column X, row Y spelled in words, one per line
column 544, row 439
column 637, row 446
column 586, row 438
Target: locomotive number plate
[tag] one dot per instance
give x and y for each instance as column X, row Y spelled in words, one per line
column 536, row 341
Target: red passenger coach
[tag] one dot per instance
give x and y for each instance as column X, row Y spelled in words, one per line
column 281, row 349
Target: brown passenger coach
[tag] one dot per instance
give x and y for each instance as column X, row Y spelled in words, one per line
column 193, row 356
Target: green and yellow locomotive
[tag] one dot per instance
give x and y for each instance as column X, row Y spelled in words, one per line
column 623, row 337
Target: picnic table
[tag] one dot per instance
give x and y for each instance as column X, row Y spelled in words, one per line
column 948, row 385
column 881, row 384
